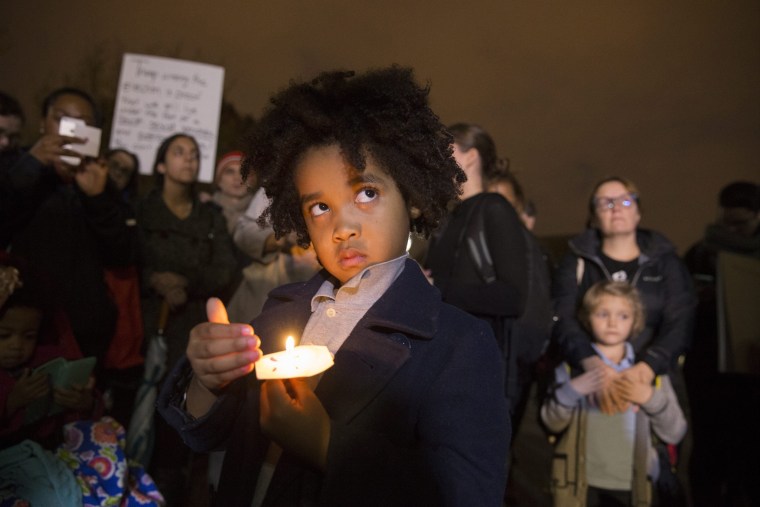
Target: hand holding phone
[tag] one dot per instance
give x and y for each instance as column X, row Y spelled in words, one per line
column 74, row 127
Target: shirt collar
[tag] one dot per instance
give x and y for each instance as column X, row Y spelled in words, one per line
column 365, row 287
column 629, row 358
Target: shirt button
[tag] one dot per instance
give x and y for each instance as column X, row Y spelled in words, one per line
column 331, row 312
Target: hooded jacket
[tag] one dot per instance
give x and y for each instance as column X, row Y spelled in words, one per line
column 664, row 285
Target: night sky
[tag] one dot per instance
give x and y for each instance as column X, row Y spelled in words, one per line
column 665, row 93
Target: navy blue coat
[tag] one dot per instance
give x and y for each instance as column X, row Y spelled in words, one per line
column 415, row 398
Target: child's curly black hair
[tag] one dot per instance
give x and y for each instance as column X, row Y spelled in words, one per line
column 382, row 114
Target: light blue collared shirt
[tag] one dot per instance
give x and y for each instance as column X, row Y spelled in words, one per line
column 335, row 312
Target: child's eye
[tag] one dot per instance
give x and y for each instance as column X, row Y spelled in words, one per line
column 366, row 195
column 317, row 209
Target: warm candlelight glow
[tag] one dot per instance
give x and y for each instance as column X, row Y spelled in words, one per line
column 301, row 361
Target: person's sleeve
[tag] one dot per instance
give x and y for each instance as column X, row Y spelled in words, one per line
column 673, row 335
column 249, row 236
column 113, row 224
column 510, row 254
column 463, row 429
column 506, row 244
column 212, row 278
column 465, row 425
column 23, row 188
column 665, row 414
column 205, row 433
column 559, row 404
column 574, row 342
column 143, row 247
column 9, row 423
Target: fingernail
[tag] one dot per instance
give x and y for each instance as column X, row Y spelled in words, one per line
column 246, row 331
column 251, row 356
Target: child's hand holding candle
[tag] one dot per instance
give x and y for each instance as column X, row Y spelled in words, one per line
column 301, row 361
column 219, row 353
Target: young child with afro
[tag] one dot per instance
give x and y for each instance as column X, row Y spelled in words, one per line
column 413, row 411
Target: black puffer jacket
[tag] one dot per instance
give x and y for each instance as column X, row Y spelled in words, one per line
column 662, row 280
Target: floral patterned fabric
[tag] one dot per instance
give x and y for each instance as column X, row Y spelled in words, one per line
column 94, row 451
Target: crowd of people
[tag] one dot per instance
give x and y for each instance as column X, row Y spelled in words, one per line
column 354, row 220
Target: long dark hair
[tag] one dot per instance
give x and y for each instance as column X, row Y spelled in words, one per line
column 163, row 149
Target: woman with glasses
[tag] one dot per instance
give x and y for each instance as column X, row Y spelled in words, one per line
column 614, row 247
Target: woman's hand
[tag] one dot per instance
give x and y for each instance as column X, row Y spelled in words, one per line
column 640, row 372
column 608, row 398
column 165, row 281
column 91, row 176
column 219, row 352
column 611, row 400
column 171, row 286
column 292, row 416
column 50, row 147
column 634, row 391
column 176, row 297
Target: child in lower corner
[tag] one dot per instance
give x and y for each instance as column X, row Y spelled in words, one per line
column 28, row 340
column 77, row 458
column 413, row 410
column 600, row 458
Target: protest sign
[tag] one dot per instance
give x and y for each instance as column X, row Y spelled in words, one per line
column 158, row 97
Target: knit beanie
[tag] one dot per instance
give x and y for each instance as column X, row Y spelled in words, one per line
column 227, row 159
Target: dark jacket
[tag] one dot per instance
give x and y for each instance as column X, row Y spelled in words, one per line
column 70, row 237
column 415, row 400
column 197, row 247
column 663, row 283
column 456, row 273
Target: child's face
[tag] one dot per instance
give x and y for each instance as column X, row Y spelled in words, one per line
column 121, row 167
column 18, row 335
column 355, row 219
column 612, row 320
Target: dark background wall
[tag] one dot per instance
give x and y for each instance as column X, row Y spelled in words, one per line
column 665, row 93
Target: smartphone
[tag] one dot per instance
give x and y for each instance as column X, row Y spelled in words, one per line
column 75, row 127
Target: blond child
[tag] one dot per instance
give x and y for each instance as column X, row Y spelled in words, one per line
column 608, row 458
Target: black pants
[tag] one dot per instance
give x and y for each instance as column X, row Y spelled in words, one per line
column 598, row 497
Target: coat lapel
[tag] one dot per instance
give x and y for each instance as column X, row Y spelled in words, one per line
column 379, row 345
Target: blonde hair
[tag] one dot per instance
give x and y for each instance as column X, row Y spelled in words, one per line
column 623, row 290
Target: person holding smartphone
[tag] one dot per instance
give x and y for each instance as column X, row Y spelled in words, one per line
column 68, row 220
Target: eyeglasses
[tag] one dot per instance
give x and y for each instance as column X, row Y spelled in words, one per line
column 605, row 203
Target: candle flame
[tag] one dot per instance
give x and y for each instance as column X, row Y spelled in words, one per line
column 289, row 343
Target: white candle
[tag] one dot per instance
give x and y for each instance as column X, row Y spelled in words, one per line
column 301, row 361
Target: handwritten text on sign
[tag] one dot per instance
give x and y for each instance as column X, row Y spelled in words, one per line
column 158, row 97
